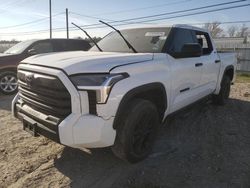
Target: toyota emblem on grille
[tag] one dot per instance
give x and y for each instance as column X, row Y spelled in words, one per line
column 29, row 79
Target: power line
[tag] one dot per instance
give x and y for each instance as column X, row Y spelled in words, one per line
column 87, row 16
column 197, row 13
column 157, row 19
column 12, row 4
column 131, row 19
column 63, row 29
column 27, row 23
column 165, row 18
column 163, row 14
column 183, row 11
column 98, row 18
column 31, row 22
column 143, row 8
column 231, row 22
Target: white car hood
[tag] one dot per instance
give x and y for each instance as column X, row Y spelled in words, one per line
column 87, row 62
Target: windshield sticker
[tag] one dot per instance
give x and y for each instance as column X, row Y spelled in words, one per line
column 163, row 38
column 155, row 34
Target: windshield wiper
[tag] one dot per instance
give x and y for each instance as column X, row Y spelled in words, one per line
column 128, row 44
column 88, row 36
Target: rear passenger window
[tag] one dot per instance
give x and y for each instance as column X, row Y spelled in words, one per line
column 70, row 45
column 204, row 40
column 78, row 45
column 181, row 37
column 61, row 45
column 73, row 45
column 43, row 47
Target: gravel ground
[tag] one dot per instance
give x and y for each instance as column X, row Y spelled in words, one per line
column 208, row 146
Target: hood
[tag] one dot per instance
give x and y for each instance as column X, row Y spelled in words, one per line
column 87, row 62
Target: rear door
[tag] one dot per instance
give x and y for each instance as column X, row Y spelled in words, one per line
column 211, row 63
column 186, row 72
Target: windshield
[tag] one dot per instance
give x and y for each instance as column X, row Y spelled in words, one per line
column 144, row 40
column 19, row 48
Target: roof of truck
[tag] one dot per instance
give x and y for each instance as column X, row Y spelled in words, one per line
column 185, row 26
column 189, row 27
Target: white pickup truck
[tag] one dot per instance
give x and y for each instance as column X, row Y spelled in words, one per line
column 120, row 91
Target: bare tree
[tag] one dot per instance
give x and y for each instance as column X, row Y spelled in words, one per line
column 232, row 31
column 214, row 28
column 243, row 32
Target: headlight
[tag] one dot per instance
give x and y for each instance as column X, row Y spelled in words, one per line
column 101, row 83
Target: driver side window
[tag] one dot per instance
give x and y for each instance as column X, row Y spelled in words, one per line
column 181, row 37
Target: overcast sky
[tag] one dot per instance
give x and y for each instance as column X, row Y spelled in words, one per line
column 16, row 12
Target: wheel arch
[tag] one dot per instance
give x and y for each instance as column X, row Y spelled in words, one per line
column 154, row 92
column 9, row 69
column 229, row 71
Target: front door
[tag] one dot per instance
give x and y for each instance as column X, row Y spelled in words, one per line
column 186, row 72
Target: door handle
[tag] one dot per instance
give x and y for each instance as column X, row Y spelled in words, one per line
column 186, row 89
column 217, row 61
column 198, row 64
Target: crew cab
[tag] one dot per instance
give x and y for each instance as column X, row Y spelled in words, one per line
column 120, row 91
column 10, row 58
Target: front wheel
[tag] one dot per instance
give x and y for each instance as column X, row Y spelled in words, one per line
column 8, row 83
column 224, row 93
column 137, row 131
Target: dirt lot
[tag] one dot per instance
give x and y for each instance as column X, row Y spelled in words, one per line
column 208, row 146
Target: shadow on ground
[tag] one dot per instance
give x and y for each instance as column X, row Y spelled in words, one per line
column 5, row 102
column 207, row 146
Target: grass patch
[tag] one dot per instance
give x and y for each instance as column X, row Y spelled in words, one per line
column 243, row 77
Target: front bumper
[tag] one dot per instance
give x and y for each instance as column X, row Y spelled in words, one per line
column 78, row 130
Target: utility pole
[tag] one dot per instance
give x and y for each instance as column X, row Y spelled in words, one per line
column 50, row 19
column 67, row 23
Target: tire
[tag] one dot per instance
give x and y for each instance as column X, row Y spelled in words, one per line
column 137, row 131
column 224, row 93
column 8, row 83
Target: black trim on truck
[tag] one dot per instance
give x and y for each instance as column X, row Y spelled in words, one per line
column 37, row 123
column 154, row 92
column 230, row 67
column 44, row 102
column 132, row 63
column 92, row 102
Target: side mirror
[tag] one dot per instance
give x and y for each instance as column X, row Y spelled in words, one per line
column 191, row 50
column 32, row 51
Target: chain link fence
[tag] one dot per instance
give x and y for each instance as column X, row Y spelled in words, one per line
column 243, row 57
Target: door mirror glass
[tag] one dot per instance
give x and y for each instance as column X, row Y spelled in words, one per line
column 189, row 50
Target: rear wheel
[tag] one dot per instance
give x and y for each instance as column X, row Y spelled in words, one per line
column 224, row 93
column 137, row 131
column 8, row 83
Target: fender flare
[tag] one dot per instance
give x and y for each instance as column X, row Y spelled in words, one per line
column 226, row 69
column 9, row 69
column 136, row 91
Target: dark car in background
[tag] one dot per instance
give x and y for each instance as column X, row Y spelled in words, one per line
column 10, row 58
